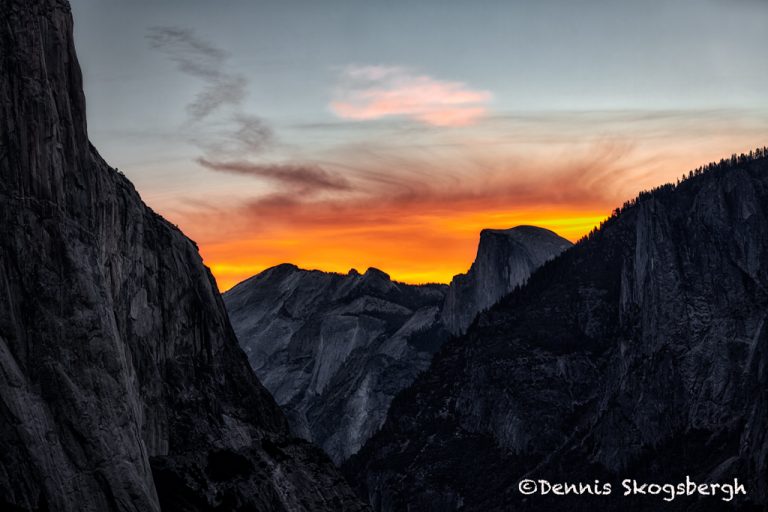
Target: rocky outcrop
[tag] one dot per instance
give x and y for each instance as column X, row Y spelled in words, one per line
column 334, row 349
column 505, row 259
column 642, row 352
column 121, row 383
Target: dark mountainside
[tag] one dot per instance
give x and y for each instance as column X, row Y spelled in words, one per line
column 642, row 353
column 121, row 383
column 335, row 349
column 505, row 259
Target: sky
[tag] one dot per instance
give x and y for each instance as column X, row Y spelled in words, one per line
column 350, row 134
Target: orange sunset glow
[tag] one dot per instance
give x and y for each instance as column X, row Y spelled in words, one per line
column 425, row 250
column 274, row 146
column 426, row 230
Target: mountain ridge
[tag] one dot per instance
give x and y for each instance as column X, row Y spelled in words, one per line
column 505, row 258
column 333, row 362
column 312, row 334
column 663, row 301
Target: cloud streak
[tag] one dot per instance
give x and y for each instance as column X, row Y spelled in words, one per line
column 375, row 92
column 415, row 209
column 305, row 178
column 241, row 138
column 200, row 59
column 418, row 229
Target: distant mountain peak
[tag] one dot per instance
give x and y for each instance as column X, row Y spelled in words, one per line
column 523, row 229
column 505, row 258
column 374, row 272
column 334, row 349
column 284, row 268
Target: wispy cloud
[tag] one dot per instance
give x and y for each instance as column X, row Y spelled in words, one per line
column 416, row 220
column 305, row 178
column 374, row 92
column 237, row 142
column 398, row 191
column 196, row 57
column 239, row 136
column 416, row 206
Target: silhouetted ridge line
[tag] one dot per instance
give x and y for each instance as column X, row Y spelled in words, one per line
column 639, row 352
column 723, row 165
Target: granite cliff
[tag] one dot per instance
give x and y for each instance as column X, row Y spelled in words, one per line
column 122, row 386
column 641, row 352
column 505, row 259
column 335, row 349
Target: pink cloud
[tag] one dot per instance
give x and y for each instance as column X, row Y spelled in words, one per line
column 373, row 92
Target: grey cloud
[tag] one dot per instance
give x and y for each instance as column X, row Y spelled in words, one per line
column 307, row 178
column 243, row 136
column 196, row 57
column 252, row 133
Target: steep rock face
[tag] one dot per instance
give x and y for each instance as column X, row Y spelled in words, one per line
column 121, row 383
column 334, row 349
column 642, row 353
column 505, row 259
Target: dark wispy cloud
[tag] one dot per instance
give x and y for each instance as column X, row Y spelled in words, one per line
column 563, row 172
column 239, row 136
column 237, row 143
column 597, row 177
column 308, row 178
column 252, row 133
column 196, row 57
